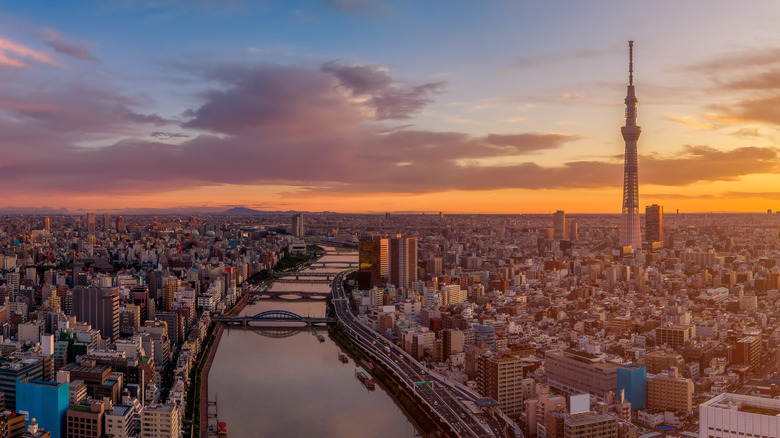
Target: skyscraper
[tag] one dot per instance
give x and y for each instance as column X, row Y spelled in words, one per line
column 297, row 225
column 559, row 225
column 91, row 222
column 403, row 261
column 99, row 307
column 120, row 224
column 47, row 223
column 106, row 222
column 373, row 256
column 654, row 223
column 629, row 228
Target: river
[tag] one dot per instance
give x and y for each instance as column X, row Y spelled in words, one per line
column 285, row 383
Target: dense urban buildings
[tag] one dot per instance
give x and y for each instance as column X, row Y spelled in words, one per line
column 494, row 303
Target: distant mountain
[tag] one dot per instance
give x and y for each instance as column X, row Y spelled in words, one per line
column 240, row 211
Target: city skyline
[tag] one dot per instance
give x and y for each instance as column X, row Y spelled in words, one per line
column 368, row 107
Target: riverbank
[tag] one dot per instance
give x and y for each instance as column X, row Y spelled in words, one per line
column 420, row 417
column 202, row 413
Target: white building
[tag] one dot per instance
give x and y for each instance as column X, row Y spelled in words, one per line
column 161, row 421
column 734, row 415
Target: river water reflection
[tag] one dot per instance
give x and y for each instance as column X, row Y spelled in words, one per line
column 285, row 383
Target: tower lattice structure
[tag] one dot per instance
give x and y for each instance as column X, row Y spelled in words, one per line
column 630, row 227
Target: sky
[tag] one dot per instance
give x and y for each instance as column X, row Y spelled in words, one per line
column 372, row 106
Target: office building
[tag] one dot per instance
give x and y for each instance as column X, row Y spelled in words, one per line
column 573, row 231
column 674, row 335
column 485, row 334
column 574, row 372
column 501, row 378
column 373, row 256
column 11, row 372
column 99, row 307
column 654, row 223
column 297, row 225
column 13, row 281
column 669, row 392
column 47, row 402
column 559, row 225
column 119, row 223
column 590, row 425
column 120, row 421
column 630, row 226
column 98, row 379
column 11, row 424
column 403, row 261
column 659, row 361
column 451, row 342
column 87, row 419
column 106, row 222
column 47, row 223
column 747, row 351
column 161, row 421
column 632, row 381
column 90, row 222
column 434, row 266
column 735, row 415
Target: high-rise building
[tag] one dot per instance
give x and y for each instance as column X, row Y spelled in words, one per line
column 47, row 223
column 91, row 222
column 13, row 280
column 632, row 380
column 500, row 378
column 737, row 415
column 573, row 231
column 403, row 261
column 106, row 222
column 98, row 307
column 373, row 256
column 120, row 224
column 654, row 223
column 451, row 342
column 47, row 402
column 747, row 351
column 559, row 225
column 12, row 372
column 630, row 228
column 297, row 225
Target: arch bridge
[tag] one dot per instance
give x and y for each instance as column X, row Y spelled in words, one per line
column 273, row 317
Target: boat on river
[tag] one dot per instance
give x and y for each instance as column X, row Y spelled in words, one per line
column 365, row 380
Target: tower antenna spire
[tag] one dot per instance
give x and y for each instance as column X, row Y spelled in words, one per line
column 630, row 63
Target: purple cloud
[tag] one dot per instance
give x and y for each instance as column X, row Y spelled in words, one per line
column 66, row 45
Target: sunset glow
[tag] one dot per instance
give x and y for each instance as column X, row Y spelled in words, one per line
column 376, row 106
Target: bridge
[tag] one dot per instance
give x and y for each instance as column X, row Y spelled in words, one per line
column 333, row 263
column 273, row 316
column 303, row 295
column 312, row 273
column 303, row 280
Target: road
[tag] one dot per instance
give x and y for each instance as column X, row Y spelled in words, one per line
column 443, row 397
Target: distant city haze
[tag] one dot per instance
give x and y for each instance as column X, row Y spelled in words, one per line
column 370, row 106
